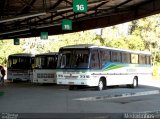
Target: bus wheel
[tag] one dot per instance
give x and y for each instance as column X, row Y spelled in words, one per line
column 101, row 85
column 15, row 81
column 135, row 82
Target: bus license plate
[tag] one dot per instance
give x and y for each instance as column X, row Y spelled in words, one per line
column 71, row 83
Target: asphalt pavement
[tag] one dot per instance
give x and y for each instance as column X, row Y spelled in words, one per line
column 30, row 100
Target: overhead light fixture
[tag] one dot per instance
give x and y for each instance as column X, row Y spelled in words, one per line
column 64, row 9
column 50, row 25
column 19, row 35
column 22, row 17
column 16, row 31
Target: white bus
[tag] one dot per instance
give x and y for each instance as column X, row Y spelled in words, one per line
column 45, row 68
column 20, row 67
column 98, row 66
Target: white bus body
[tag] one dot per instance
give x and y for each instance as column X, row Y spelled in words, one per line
column 19, row 67
column 45, row 68
column 101, row 66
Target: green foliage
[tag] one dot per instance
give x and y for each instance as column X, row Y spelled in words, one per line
column 83, row 37
column 155, row 70
column 135, row 42
column 117, row 43
column 147, row 29
column 8, row 48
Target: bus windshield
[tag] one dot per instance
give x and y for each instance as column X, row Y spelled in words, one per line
column 19, row 63
column 73, row 58
column 46, row 62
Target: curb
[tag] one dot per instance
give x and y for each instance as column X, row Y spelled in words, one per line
column 124, row 95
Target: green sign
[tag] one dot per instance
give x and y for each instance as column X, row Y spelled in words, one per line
column 44, row 35
column 79, row 5
column 66, row 24
column 16, row 41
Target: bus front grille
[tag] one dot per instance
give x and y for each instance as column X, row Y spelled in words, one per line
column 45, row 75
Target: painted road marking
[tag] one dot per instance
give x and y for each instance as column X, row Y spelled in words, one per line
column 124, row 95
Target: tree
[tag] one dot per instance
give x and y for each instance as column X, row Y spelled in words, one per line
column 135, row 42
column 148, row 29
column 8, row 48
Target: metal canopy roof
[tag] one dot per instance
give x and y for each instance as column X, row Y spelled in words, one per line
column 27, row 18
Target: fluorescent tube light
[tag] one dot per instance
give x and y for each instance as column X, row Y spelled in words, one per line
column 22, row 17
column 16, row 31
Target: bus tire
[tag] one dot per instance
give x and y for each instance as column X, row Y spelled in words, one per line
column 15, row 81
column 101, row 84
column 135, row 82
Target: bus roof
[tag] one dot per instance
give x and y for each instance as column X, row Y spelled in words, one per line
column 80, row 46
column 21, row 55
column 49, row 53
column 103, row 47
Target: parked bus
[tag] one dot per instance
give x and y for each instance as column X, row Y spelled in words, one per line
column 45, row 68
column 99, row 66
column 20, row 67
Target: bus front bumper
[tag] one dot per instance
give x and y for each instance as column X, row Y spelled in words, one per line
column 85, row 82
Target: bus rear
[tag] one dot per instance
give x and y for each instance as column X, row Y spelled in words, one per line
column 19, row 67
column 45, row 68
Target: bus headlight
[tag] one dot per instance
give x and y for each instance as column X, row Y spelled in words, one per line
column 84, row 76
column 60, row 76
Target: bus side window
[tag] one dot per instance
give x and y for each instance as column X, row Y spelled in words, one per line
column 134, row 58
column 105, row 56
column 32, row 63
column 63, row 62
column 116, row 56
column 126, row 58
column 148, row 60
column 94, row 60
column 142, row 59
